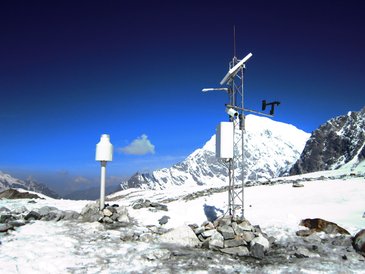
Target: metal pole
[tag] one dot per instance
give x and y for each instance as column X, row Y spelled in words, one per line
column 243, row 147
column 102, row 184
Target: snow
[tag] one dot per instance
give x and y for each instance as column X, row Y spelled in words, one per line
column 270, row 148
column 77, row 247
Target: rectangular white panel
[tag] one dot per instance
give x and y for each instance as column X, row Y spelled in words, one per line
column 224, row 140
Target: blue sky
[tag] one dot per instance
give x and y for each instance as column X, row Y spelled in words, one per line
column 73, row 70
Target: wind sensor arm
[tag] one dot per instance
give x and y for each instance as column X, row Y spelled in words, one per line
column 272, row 104
column 233, row 71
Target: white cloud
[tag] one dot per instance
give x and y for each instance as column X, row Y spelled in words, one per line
column 140, row 146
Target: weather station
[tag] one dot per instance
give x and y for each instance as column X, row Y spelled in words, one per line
column 104, row 154
column 230, row 135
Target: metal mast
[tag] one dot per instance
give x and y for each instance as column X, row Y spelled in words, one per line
column 236, row 101
column 234, row 82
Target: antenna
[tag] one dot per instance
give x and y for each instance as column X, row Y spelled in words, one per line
column 234, row 41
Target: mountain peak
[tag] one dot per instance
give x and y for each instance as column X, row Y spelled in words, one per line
column 271, row 148
column 335, row 144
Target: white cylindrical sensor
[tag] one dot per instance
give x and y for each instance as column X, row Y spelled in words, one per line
column 104, row 154
column 104, row 149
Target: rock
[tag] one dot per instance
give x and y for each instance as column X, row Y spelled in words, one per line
column 70, row 215
column 304, row 232
column 159, row 206
column 43, row 211
column 262, row 241
column 209, row 225
column 242, row 227
column 257, row 251
column 121, row 210
column 234, row 243
column 91, row 213
column 16, row 223
column 181, row 235
column 320, row 225
column 199, row 230
column 15, row 194
column 107, row 220
column 208, row 233
column 226, row 231
column 107, row 212
column 163, row 220
column 157, row 254
column 123, row 218
column 342, row 240
column 225, row 220
column 146, row 237
column 54, row 215
column 33, row 216
column 20, row 210
column 3, row 209
column 5, row 227
column 358, row 242
column 247, row 236
column 297, row 184
column 216, row 241
column 127, row 235
column 4, row 218
column 239, row 251
column 302, row 252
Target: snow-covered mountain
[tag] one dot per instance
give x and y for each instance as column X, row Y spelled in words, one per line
column 271, row 148
column 338, row 143
column 7, row 181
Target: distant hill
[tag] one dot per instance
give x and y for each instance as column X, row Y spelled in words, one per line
column 91, row 193
column 338, row 143
column 7, row 182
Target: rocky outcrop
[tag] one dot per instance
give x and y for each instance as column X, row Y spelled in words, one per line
column 7, row 182
column 145, row 203
column 359, row 242
column 11, row 219
column 234, row 237
column 15, row 194
column 338, row 142
column 320, row 225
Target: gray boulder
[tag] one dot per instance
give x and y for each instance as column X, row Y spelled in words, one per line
column 5, row 227
column 257, row 251
column 182, row 235
column 302, row 252
column 91, row 213
column 4, row 209
column 226, row 231
column 163, row 220
column 234, row 243
column 239, row 251
column 216, row 241
column 358, row 242
column 33, row 216
column 43, row 211
column 262, row 241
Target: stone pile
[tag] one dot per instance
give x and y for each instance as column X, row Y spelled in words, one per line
column 10, row 219
column 232, row 236
column 113, row 215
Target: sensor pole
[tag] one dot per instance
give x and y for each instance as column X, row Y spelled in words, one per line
column 104, row 153
column 102, row 184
